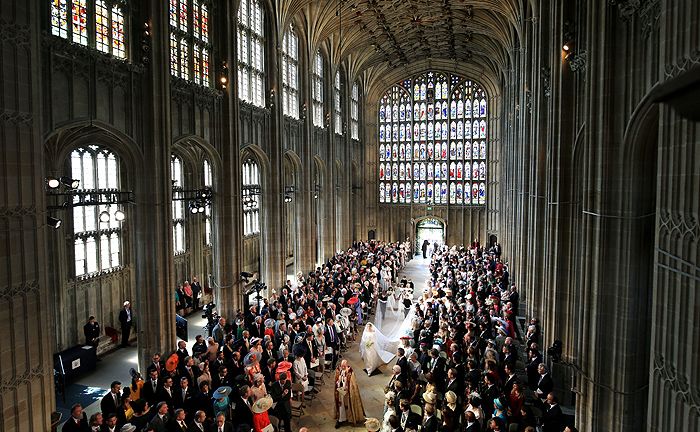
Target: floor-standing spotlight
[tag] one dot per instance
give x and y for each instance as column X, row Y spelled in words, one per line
column 53, row 222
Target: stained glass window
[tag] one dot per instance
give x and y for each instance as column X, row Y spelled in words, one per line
column 189, row 40
column 178, row 204
column 317, row 90
column 251, row 53
column 251, row 197
column 338, row 104
column 96, row 244
column 108, row 19
column 355, row 112
column 290, row 73
column 207, row 210
column 433, row 142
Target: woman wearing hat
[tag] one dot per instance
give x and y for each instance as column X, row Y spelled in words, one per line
column 258, row 388
column 261, row 420
column 450, row 413
column 221, row 401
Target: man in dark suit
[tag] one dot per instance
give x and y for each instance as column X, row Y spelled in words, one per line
column 430, row 423
column 332, row 340
column 544, row 384
column 167, row 393
column 402, row 361
column 221, row 424
column 178, row 423
column 189, row 370
column 311, row 349
column 196, row 290
column 151, row 387
column 200, row 423
column 407, row 418
column 492, row 392
column 268, row 371
column 77, row 422
column 257, row 329
column 181, row 351
column 92, row 332
column 242, row 410
column 437, row 368
column 471, row 424
column 161, row 420
column 126, row 319
column 552, row 415
column 111, row 401
column 511, row 378
column 281, row 392
column 268, row 353
column 453, row 383
column 156, row 364
column 110, row 423
column 184, row 397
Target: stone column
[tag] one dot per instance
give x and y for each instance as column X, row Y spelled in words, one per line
column 26, row 373
column 228, row 227
column 154, row 308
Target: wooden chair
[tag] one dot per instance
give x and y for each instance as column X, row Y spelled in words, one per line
column 297, row 400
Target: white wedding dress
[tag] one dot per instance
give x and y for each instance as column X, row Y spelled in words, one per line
column 375, row 349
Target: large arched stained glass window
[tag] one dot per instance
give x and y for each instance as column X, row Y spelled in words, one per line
column 97, row 229
column 251, row 197
column 290, row 73
column 355, row 112
column 251, row 52
column 177, row 176
column 189, row 40
column 338, row 104
column 317, row 90
column 102, row 27
column 433, row 142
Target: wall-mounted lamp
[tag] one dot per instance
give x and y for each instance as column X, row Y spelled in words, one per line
column 289, row 193
column 327, row 123
column 223, row 79
column 303, row 112
column 566, row 47
column 271, row 98
column 53, row 222
column 317, row 191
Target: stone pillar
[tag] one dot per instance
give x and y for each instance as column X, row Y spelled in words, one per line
column 228, row 227
column 26, row 373
column 154, row 308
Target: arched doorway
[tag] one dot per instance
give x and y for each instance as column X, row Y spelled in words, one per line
column 431, row 229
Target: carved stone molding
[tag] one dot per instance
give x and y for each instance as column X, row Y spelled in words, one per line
column 16, row 117
column 20, row 290
column 626, row 8
column 678, row 383
column 680, row 225
column 546, row 81
column 14, row 34
column 577, row 61
column 62, row 48
column 17, row 212
column 683, row 64
column 649, row 17
column 18, row 380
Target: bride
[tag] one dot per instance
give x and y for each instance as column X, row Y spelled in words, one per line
column 376, row 349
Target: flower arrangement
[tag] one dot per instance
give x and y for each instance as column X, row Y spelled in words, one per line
column 369, row 344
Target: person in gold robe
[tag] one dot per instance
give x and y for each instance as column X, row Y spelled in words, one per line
column 348, row 403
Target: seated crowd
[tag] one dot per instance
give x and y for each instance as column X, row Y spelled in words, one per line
column 241, row 377
column 461, row 367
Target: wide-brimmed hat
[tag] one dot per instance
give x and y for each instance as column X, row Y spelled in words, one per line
column 429, row 397
column 353, row 300
column 251, row 358
column 373, row 424
column 283, row 366
column 171, row 362
column 451, row 398
column 263, row 404
column 269, row 322
column 346, row 311
column 128, row 427
column 222, row 392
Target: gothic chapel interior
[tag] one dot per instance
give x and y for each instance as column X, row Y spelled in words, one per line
column 220, row 137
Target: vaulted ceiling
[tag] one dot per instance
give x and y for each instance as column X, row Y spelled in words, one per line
column 376, row 37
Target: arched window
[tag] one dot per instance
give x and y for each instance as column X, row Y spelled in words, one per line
column 97, row 229
column 189, row 40
column 317, row 90
column 75, row 19
column 290, row 73
column 338, row 104
column 251, row 197
column 177, row 176
column 207, row 209
column 355, row 113
column 441, row 121
column 251, row 53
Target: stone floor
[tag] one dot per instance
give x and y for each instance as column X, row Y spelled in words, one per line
column 318, row 415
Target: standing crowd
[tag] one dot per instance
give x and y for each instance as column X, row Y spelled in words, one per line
column 462, row 366
column 255, row 363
